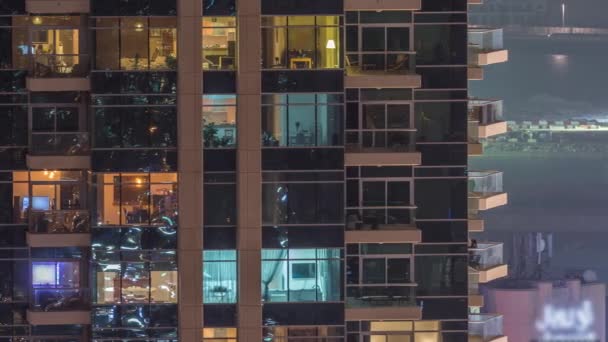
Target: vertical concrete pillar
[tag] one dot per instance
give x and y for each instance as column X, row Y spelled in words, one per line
column 190, row 170
column 249, row 176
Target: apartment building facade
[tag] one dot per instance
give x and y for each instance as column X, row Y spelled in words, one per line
column 213, row 170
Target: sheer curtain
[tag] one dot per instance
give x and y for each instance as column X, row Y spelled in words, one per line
column 220, row 277
column 272, row 260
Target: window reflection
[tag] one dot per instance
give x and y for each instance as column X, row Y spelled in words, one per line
column 219, row 121
column 301, row 275
column 132, row 282
column 219, row 276
column 136, row 43
column 301, row 42
column 219, row 43
column 136, row 199
column 302, row 120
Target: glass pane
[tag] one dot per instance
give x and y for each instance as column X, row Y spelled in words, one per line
column 374, row 194
column 398, row 116
column 301, row 45
column 219, row 43
column 328, row 45
column 220, row 281
column 398, row 271
column 302, row 125
column 135, row 283
column 134, row 44
column 397, row 39
column 163, row 48
column 67, row 119
column 398, row 193
column 43, row 119
column 374, row 271
column 374, row 116
column 372, row 39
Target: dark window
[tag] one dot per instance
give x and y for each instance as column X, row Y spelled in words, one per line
column 443, row 231
column 441, row 121
column 12, row 81
column 443, row 78
column 219, row 160
column 219, row 7
column 448, row 278
column 130, row 127
column 219, row 82
column 122, row 82
column 133, row 7
column 220, row 204
column 219, row 315
column 444, row 5
column 8, row 7
column 441, row 198
column 302, row 203
column 443, row 154
column 219, row 238
column 302, row 314
column 13, row 126
column 303, row 159
column 276, row 7
column 444, row 308
column 302, row 237
column 303, row 81
column 440, row 45
column 134, row 160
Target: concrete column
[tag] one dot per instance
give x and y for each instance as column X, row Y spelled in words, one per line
column 190, row 170
column 249, row 176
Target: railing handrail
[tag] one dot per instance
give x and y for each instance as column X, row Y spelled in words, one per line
column 484, row 246
column 483, row 318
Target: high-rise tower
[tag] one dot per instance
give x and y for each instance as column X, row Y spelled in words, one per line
column 221, row 170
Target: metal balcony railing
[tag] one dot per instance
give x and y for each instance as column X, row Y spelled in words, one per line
column 370, row 296
column 485, row 326
column 380, row 140
column 380, row 63
column 60, row 221
column 59, row 299
column 485, row 182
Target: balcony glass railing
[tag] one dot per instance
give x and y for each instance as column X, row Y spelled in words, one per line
column 382, row 218
column 59, row 143
column 60, row 221
column 380, row 63
column 485, row 112
column 371, row 296
column 485, row 181
column 485, row 39
column 485, row 256
column 60, row 66
column 56, row 299
column 485, row 326
column 377, row 140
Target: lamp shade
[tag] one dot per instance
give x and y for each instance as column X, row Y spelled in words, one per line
column 331, row 44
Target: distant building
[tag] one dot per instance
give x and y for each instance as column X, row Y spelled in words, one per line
column 570, row 310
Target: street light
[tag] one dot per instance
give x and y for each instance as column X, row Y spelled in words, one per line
column 563, row 14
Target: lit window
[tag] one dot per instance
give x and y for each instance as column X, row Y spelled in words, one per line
column 219, row 121
column 301, row 275
column 219, row 43
column 301, row 42
column 219, row 334
column 219, row 276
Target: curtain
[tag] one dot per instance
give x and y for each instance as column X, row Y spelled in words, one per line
column 271, row 262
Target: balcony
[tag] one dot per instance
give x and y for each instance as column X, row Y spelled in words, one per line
column 486, row 262
column 381, row 225
column 381, row 70
column 372, row 147
column 57, row 6
column 486, row 46
column 379, row 5
column 59, row 150
column 485, row 190
column 475, row 224
column 59, row 228
column 485, row 119
column 52, row 72
column 486, row 328
column 381, row 303
column 59, row 306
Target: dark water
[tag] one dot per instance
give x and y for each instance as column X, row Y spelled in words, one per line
column 549, row 79
column 560, row 192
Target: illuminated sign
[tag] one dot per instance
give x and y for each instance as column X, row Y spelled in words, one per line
column 567, row 324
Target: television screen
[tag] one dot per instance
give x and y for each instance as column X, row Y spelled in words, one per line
column 40, row 203
column 303, row 271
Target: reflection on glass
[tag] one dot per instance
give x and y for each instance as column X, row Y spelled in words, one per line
column 219, row 121
column 136, row 43
column 301, row 42
column 136, row 199
column 302, row 120
column 301, row 275
column 219, row 43
column 219, row 276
